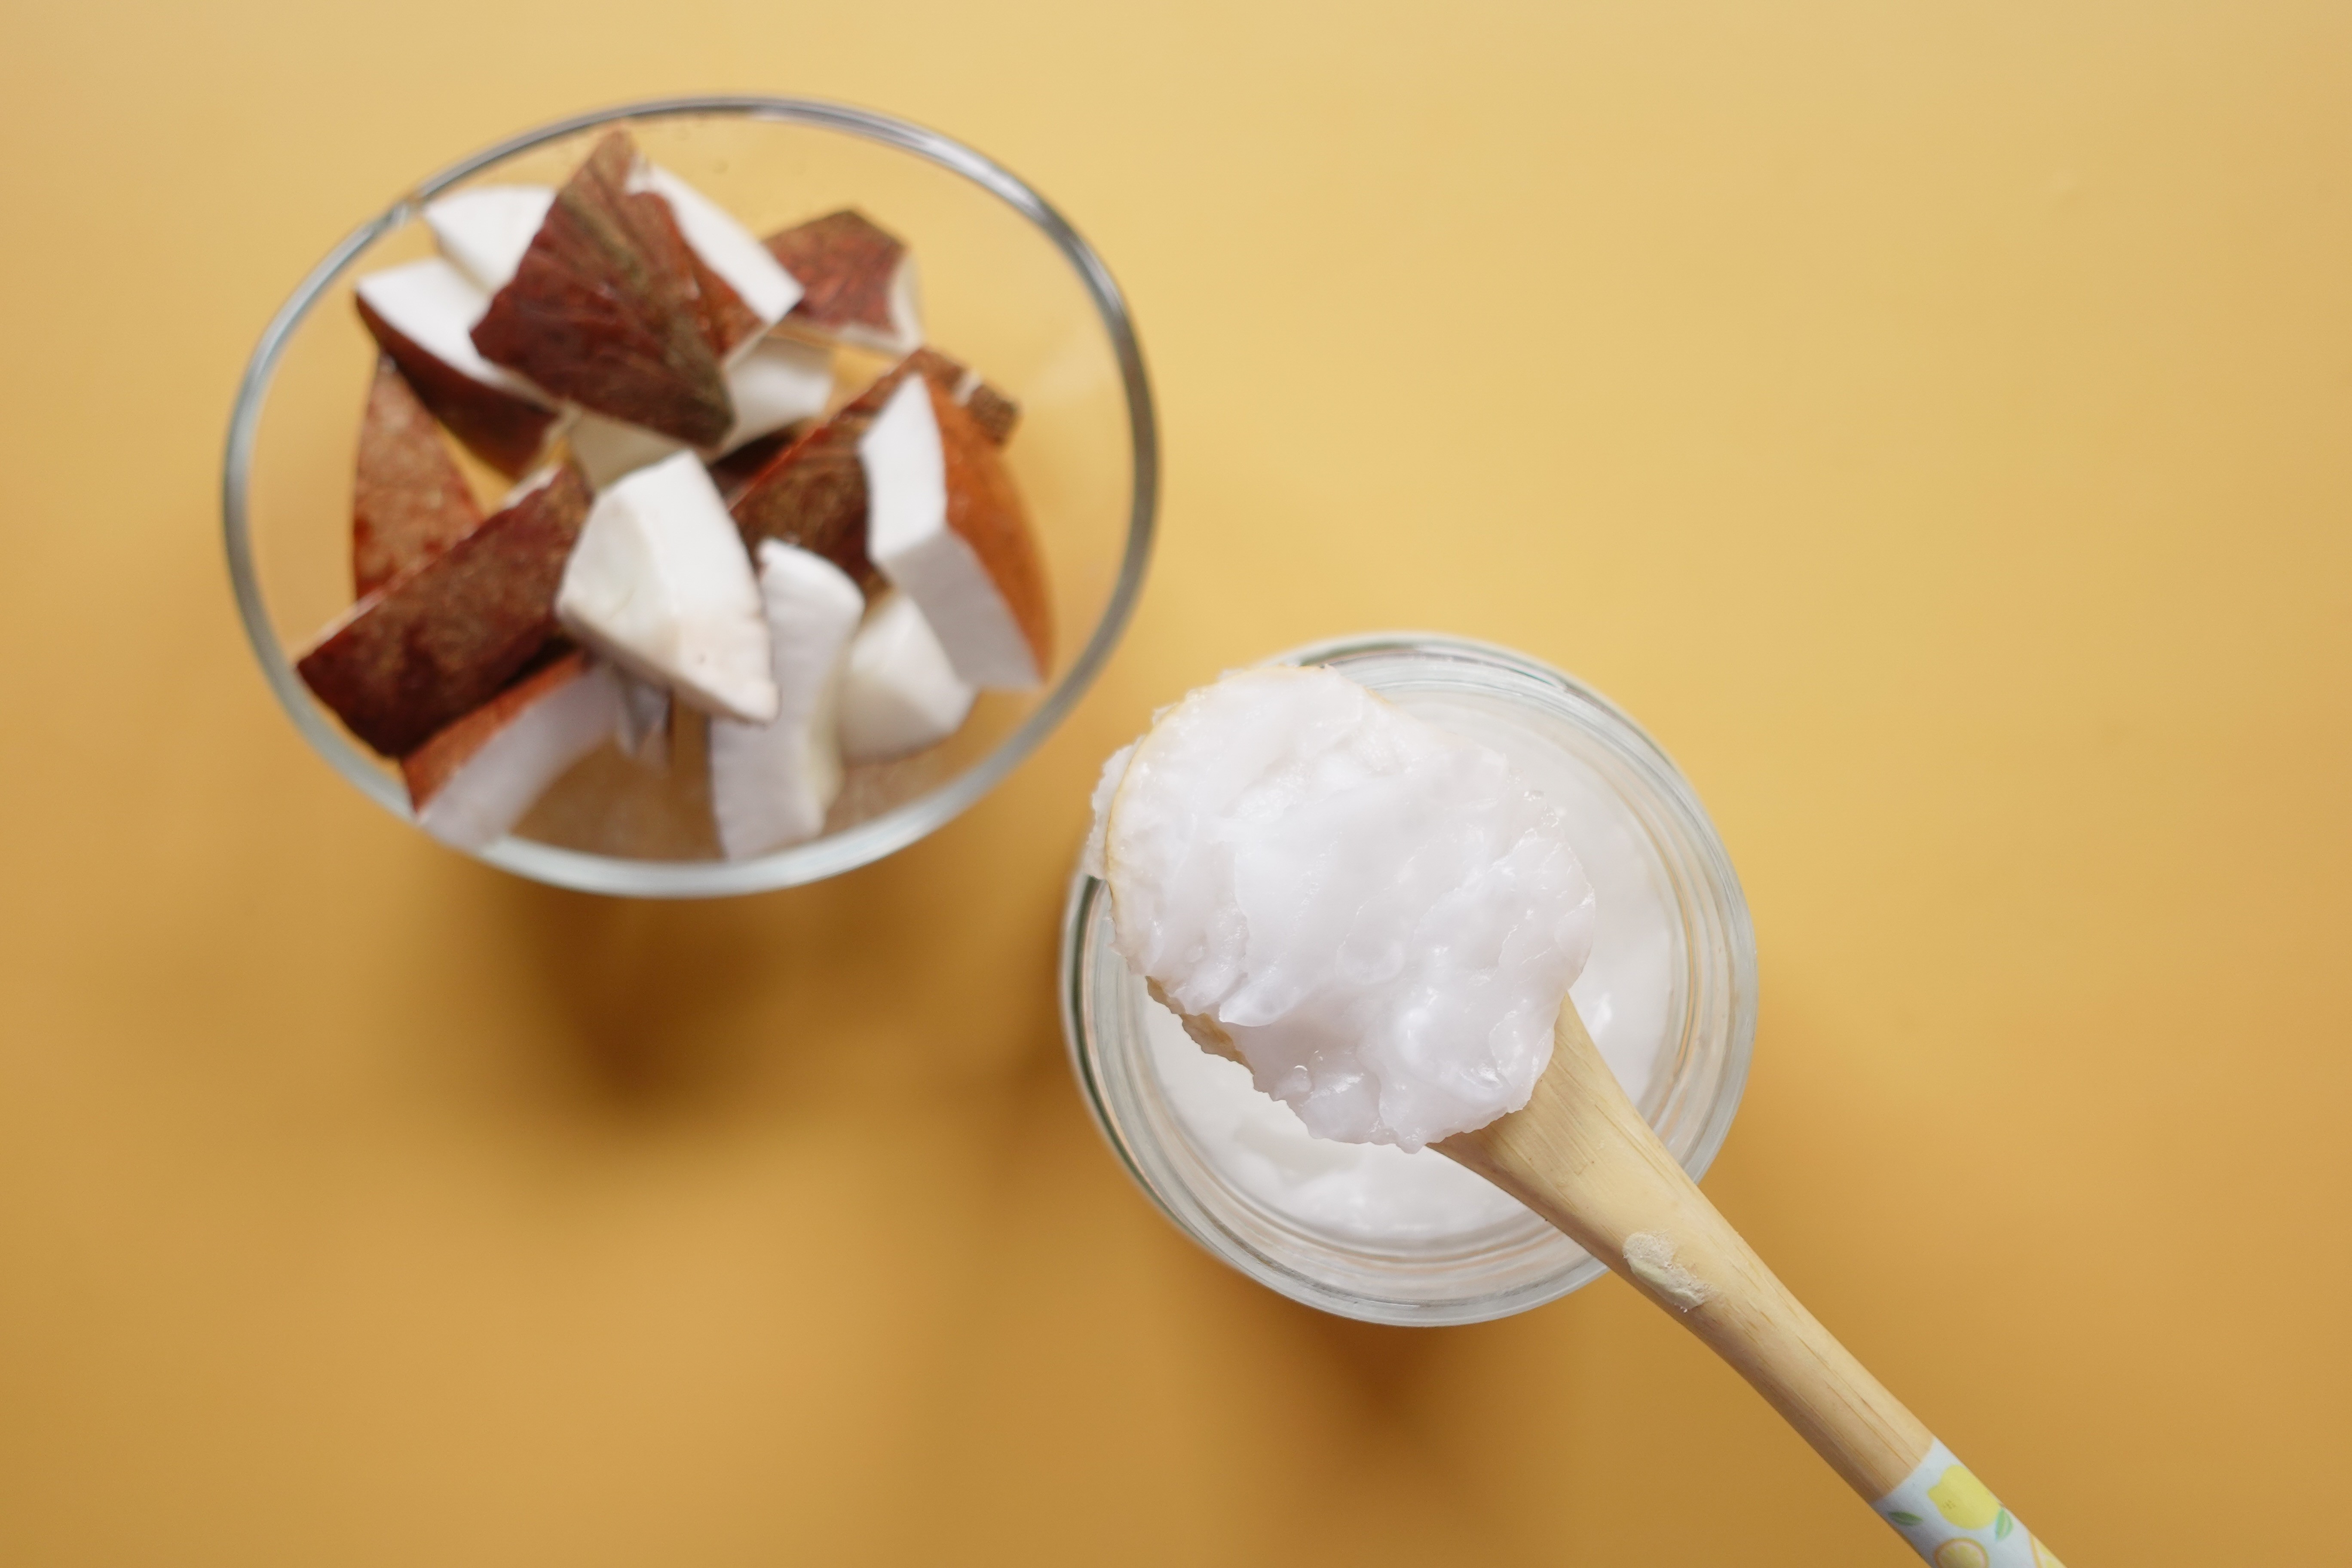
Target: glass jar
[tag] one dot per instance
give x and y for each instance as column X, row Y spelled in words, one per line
column 1555, row 730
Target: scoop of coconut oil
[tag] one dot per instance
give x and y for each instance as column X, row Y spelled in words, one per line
column 1381, row 916
column 1378, row 1192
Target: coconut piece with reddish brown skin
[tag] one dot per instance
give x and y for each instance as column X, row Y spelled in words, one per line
column 734, row 472
column 990, row 408
column 422, row 315
column 946, row 527
column 409, row 503
column 438, row 641
column 813, row 494
column 727, row 250
column 776, row 383
column 473, row 781
column 858, row 281
column 994, row 413
column 770, row 784
column 612, row 308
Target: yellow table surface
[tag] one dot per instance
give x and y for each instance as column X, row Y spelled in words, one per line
column 1935, row 422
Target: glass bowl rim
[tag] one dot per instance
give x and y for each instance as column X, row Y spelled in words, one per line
column 834, row 853
column 1637, row 744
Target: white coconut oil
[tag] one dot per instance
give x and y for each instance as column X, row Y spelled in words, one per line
column 1376, row 1193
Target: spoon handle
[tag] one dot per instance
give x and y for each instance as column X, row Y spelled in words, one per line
column 1581, row 1155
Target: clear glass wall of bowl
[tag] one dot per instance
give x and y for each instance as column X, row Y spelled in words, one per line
column 1522, row 1262
column 1008, row 286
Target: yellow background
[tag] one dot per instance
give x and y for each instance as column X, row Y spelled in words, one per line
column 1934, row 422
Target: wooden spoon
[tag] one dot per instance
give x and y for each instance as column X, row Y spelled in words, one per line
column 1579, row 1156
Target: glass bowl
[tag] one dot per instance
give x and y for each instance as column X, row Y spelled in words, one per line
column 1009, row 288
column 1570, row 737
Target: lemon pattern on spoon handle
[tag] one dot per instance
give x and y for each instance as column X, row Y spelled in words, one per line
column 1952, row 1520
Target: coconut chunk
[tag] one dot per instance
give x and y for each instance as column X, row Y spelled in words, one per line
column 770, row 784
column 422, row 316
column 473, row 782
column 610, row 307
column 990, row 409
column 726, row 248
column 813, row 494
column 898, row 692
column 945, row 525
column 485, row 230
column 441, row 639
column 409, row 503
column 859, row 279
column 777, row 382
column 660, row 583
column 1380, row 918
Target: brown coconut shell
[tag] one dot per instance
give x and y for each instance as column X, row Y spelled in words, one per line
column 611, row 309
column 440, row 641
column 812, row 494
column 432, row 764
column 506, row 431
column 409, row 503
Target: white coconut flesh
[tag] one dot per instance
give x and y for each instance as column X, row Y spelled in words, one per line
column 771, row 783
column 485, row 230
column 898, row 692
column 1382, row 917
column 726, row 246
column 435, row 306
column 904, row 333
column 489, row 792
column 910, row 542
column 660, row 583
column 776, row 382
